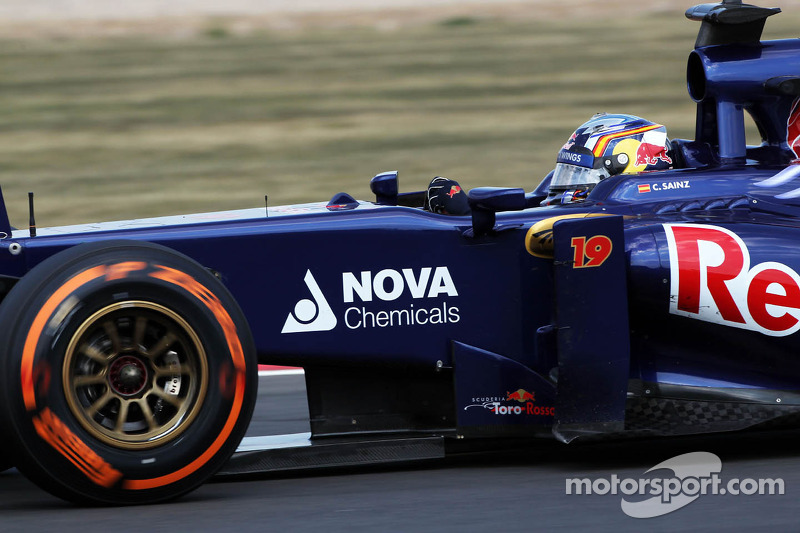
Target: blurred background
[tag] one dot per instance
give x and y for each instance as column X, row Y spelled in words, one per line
column 115, row 110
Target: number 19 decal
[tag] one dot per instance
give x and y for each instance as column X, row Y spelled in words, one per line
column 592, row 252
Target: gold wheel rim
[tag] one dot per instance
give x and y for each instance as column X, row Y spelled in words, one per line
column 135, row 375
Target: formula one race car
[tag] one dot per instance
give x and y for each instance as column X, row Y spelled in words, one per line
column 641, row 303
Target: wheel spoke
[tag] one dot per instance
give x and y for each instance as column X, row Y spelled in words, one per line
column 147, row 413
column 172, row 370
column 139, row 330
column 113, row 334
column 122, row 417
column 161, row 346
column 171, row 399
column 88, row 380
column 94, row 354
column 99, row 404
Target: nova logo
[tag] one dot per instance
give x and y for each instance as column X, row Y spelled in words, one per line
column 712, row 280
column 310, row 315
column 390, row 284
column 371, row 290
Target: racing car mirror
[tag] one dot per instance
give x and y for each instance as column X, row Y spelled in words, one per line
column 385, row 188
column 486, row 201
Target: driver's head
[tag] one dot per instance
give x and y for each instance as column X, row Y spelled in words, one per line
column 604, row 146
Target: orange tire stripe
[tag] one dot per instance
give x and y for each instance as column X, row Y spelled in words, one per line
column 44, row 314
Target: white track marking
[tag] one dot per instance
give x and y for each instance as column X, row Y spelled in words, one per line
column 292, row 372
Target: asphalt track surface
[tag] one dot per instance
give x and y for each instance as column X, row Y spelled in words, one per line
column 520, row 490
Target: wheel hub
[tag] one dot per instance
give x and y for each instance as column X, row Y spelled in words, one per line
column 127, row 376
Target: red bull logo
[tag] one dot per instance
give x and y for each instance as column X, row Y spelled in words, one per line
column 570, row 143
column 650, row 154
column 520, row 395
column 455, row 189
column 713, row 279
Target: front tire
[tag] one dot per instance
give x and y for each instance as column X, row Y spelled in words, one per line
column 128, row 373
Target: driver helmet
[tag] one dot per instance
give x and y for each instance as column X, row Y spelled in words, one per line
column 607, row 145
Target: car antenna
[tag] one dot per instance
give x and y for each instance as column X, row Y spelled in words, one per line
column 32, row 220
column 266, row 205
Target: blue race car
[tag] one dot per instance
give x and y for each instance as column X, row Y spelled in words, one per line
column 647, row 287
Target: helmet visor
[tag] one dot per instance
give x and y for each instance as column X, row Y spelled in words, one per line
column 568, row 176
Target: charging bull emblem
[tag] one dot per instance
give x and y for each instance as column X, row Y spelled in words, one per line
column 652, row 149
column 520, row 395
column 455, row 189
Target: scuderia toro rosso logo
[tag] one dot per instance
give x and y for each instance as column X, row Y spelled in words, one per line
column 363, row 292
column 712, row 280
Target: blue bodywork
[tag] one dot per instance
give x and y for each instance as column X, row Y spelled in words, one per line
column 666, row 303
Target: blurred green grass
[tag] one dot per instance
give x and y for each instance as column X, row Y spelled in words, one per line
column 114, row 128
